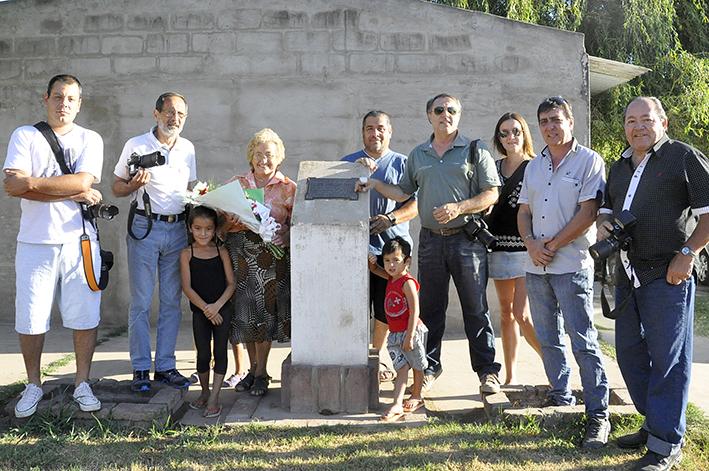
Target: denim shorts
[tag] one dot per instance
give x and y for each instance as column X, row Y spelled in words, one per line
column 415, row 358
column 506, row 265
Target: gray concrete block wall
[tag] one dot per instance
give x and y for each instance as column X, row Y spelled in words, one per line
column 309, row 69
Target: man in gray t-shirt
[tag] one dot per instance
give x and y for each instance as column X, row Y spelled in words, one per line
column 453, row 187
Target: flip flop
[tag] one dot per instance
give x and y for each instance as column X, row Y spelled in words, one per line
column 385, row 374
column 198, row 404
column 212, row 413
column 411, row 405
column 391, row 416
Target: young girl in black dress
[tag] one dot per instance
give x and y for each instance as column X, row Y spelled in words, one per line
column 208, row 281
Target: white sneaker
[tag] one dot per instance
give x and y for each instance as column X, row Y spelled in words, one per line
column 86, row 399
column 27, row 405
column 233, row 380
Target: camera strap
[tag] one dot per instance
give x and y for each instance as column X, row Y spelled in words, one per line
column 51, row 138
column 148, row 215
column 605, row 305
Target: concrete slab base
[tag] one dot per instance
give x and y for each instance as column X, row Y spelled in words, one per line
column 118, row 403
column 329, row 390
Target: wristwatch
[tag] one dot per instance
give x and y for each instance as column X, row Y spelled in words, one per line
column 687, row 251
column 391, row 218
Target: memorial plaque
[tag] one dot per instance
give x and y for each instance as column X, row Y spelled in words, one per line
column 332, row 188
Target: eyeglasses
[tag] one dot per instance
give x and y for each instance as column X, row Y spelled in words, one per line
column 505, row 134
column 173, row 113
column 438, row 110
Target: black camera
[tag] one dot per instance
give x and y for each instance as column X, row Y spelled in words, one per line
column 477, row 229
column 136, row 161
column 99, row 210
column 619, row 239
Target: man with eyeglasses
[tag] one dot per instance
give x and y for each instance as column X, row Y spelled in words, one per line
column 558, row 204
column 665, row 185
column 388, row 218
column 157, row 234
column 454, row 185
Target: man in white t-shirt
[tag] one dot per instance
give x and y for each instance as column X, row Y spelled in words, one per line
column 49, row 258
column 156, row 236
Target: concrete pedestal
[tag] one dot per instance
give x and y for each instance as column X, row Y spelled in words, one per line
column 329, row 367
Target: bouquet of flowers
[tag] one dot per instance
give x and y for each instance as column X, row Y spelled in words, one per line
column 231, row 198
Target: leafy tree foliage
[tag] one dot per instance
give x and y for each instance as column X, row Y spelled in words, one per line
column 671, row 37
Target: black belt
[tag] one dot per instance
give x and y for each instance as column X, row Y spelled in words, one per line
column 163, row 217
column 445, row 231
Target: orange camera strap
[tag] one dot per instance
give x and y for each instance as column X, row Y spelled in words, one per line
column 88, row 260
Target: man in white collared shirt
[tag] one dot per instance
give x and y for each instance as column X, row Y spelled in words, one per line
column 558, row 204
column 156, row 237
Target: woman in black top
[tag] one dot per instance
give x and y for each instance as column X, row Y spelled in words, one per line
column 512, row 139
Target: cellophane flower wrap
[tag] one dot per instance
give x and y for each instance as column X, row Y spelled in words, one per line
column 230, row 198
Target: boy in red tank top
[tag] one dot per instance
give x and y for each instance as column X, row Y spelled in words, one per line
column 407, row 334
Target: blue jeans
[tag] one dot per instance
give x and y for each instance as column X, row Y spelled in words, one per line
column 654, row 340
column 159, row 251
column 439, row 258
column 565, row 303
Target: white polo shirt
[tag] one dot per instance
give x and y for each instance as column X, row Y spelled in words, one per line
column 168, row 182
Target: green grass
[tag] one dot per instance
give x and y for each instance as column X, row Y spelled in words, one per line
column 54, row 443
column 701, row 316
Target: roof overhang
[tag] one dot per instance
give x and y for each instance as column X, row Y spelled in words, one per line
column 607, row 74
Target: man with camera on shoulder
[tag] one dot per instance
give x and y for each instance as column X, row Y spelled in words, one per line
column 49, row 259
column 456, row 181
column 155, row 169
column 663, row 184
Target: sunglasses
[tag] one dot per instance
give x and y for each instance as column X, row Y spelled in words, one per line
column 438, row 110
column 505, row 134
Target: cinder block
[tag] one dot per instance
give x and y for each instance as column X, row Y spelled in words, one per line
column 167, row 43
column 181, row 65
column 354, row 41
column 418, row 63
column 403, row 42
column 327, row 65
column 357, row 389
column 372, row 63
column 623, row 410
column 10, row 69
column 122, row 45
column 466, row 63
column 140, row 412
column 284, row 19
column 512, row 63
column 134, row 65
column 495, row 404
column 214, row 42
column 256, row 42
column 103, row 23
column 96, row 68
column 307, row 41
column 149, row 23
column 460, row 42
column 521, row 415
column 193, row 21
column 31, row 47
column 5, row 47
column 79, row 45
column 51, row 26
column 275, row 65
column 239, row 19
column 330, row 382
column 335, row 19
column 170, row 397
column 303, row 393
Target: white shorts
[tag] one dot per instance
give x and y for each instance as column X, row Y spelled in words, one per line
column 43, row 270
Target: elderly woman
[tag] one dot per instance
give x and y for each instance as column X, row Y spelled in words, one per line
column 262, row 311
column 513, row 141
